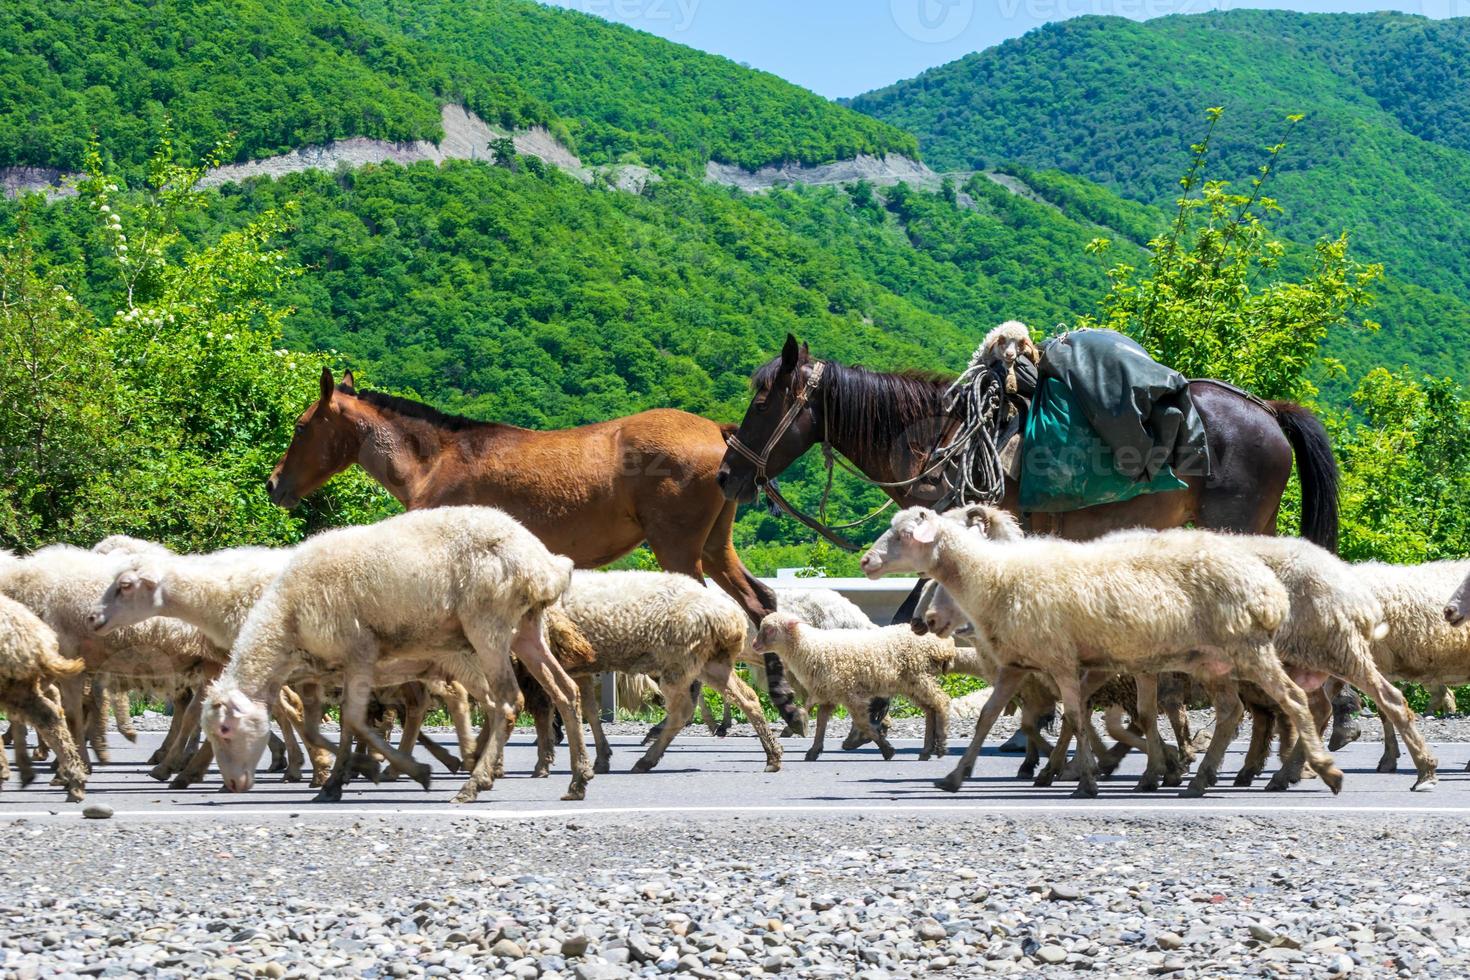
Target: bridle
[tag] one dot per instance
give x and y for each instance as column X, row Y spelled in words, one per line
column 969, row 452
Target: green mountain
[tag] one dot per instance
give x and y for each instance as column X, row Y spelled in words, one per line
column 279, row 74
column 1384, row 150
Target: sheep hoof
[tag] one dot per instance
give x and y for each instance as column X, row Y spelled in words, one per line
column 423, row 775
column 541, row 772
column 1027, row 771
column 131, row 735
column 26, row 778
column 722, row 730
column 1387, row 765
column 1246, row 776
column 1046, row 777
column 602, row 766
column 291, row 776
column 642, row 765
column 76, row 794
column 1278, row 784
column 468, row 793
column 577, row 791
column 888, row 752
column 1147, row 783
column 812, row 755
column 773, row 766
column 1086, row 790
column 161, row 772
column 181, row 781
column 798, row 722
column 1194, row 790
column 1331, row 778
column 1426, row 784
column 925, row 756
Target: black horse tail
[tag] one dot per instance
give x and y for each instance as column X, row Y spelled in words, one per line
column 1316, row 467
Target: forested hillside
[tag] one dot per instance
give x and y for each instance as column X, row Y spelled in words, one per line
column 1384, row 150
column 279, row 74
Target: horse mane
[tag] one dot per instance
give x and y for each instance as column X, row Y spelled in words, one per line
column 872, row 408
column 416, row 410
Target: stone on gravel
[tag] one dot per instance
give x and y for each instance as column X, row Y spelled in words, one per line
column 97, row 811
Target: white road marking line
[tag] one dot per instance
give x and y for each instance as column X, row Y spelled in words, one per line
column 979, row 809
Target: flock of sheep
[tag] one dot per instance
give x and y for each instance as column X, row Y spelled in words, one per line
column 464, row 607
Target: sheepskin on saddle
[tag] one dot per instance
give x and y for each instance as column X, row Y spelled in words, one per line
column 1107, row 423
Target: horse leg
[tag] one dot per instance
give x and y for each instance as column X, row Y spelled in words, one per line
column 725, row 569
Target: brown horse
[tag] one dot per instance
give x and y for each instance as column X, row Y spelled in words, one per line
column 592, row 493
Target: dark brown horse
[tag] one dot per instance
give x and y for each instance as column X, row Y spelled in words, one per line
column 592, row 493
column 885, row 424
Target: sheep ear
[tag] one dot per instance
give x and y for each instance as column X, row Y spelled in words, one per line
column 925, row 531
column 327, row 385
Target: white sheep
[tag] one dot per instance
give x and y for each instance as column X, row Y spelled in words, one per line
column 673, row 628
column 1004, row 345
column 30, row 660
column 1178, row 600
column 60, row 584
column 450, row 589
column 848, row 667
column 1426, row 643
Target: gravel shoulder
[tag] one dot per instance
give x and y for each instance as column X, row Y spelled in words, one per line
column 729, row 897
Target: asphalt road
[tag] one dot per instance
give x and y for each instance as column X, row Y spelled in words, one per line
column 700, row 774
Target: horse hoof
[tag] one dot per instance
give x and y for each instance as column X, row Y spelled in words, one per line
column 1278, row 784
column 291, row 776
column 1388, row 765
column 423, row 775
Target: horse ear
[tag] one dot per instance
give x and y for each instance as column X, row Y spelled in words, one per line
column 349, row 382
column 327, row 385
column 806, row 353
column 790, row 354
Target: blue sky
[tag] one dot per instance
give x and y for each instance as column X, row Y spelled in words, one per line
column 845, row 47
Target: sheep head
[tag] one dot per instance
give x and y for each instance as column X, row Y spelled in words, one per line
column 991, row 522
column 135, row 594
column 775, row 632
column 909, row 545
column 1457, row 610
column 238, row 727
column 944, row 618
column 1005, row 344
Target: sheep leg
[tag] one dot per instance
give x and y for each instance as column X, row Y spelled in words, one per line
column 1007, row 682
column 1262, row 727
column 277, row 748
column 680, row 708
column 1262, row 666
column 48, row 719
column 931, row 697
column 1442, row 701
column 862, row 722
column 193, row 770
column 603, row 762
column 284, row 720
column 1075, row 710
column 1391, row 704
column 1389, row 761
column 1126, row 738
column 824, row 715
column 74, row 712
column 439, row 753
column 180, row 705
column 413, row 725
column 457, row 703
column 529, row 647
column 24, row 769
column 331, row 791
column 1037, row 744
column 96, row 708
column 1183, row 738
column 1346, row 705
column 541, row 712
column 323, row 753
column 1153, row 747
column 1058, row 759
column 721, row 677
column 4, row 759
column 1228, row 712
column 179, row 754
column 122, row 714
column 354, row 716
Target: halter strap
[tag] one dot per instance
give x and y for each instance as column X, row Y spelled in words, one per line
column 763, row 457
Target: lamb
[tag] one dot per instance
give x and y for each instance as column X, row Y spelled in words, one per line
column 452, row 589
column 1004, row 345
column 30, row 659
column 672, row 627
column 1178, row 600
column 849, row 667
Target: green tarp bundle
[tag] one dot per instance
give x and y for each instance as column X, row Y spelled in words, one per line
column 1066, row 465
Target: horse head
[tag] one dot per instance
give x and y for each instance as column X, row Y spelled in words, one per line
column 326, row 443
column 780, row 423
